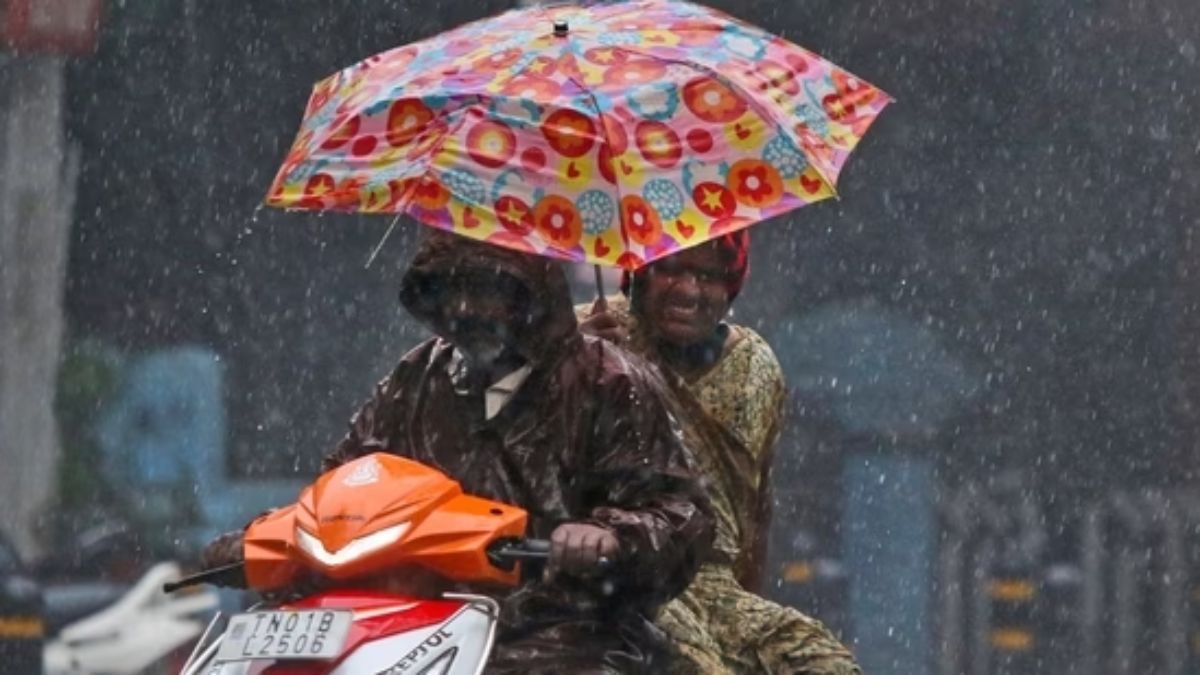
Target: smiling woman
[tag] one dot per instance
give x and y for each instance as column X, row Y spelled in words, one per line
column 684, row 299
column 729, row 379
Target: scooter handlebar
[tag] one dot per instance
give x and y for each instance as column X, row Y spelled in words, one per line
column 506, row 552
column 503, row 553
column 232, row 575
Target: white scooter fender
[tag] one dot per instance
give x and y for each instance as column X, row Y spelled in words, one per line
column 144, row 626
column 379, row 641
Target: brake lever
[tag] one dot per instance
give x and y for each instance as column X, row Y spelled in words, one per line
column 232, row 575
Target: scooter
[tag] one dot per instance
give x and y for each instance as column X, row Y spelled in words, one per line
column 122, row 633
column 389, row 538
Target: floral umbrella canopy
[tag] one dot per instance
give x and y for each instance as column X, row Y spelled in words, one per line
column 611, row 133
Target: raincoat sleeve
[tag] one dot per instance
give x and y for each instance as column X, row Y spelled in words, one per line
column 368, row 427
column 642, row 487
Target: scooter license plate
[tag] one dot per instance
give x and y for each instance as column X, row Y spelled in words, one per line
column 287, row 634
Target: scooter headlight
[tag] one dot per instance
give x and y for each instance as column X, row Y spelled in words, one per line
column 352, row 551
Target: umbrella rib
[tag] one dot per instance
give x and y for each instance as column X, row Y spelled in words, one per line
column 406, row 198
column 591, row 97
column 517, row 72
column 382, row 240
column 616, row 180
column 761, row 110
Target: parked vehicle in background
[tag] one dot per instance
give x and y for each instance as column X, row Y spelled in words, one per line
column 22, row 627
column 102, row 627
column 93, row 608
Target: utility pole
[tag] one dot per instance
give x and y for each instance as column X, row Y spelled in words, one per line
column 37, row 194
column 36, row 198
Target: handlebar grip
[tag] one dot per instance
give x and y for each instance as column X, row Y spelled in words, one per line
column 538, row 547
column 506, row 553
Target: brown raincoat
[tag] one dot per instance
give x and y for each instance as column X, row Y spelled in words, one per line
column 587, row 437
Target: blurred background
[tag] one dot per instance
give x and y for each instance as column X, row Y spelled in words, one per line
column 992, row 339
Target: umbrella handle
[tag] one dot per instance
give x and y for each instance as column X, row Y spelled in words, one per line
column 601, row 299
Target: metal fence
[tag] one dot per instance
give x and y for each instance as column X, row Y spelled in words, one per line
column 1026, row 583
column 1117, row 595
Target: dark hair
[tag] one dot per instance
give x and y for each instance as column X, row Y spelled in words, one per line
column 734, row 248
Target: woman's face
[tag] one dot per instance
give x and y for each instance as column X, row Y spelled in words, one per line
column 685, row 296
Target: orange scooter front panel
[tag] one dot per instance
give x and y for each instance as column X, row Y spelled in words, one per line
column 377, row 514
column 454, row 538
column 269, row 550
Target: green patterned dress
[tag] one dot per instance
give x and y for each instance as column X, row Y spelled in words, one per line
column 718, row 625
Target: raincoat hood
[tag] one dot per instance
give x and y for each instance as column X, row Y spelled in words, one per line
column 538, row 335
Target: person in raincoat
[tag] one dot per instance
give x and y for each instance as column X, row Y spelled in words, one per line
column 513, row 402
column 673, row 311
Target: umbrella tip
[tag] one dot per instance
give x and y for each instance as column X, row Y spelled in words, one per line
column 561, row 28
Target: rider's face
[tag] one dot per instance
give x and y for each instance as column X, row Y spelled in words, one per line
column 481, row 312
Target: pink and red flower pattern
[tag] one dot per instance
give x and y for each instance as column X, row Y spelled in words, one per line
column 469, row 130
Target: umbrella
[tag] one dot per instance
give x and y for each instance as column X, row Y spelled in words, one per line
column 611, row 133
